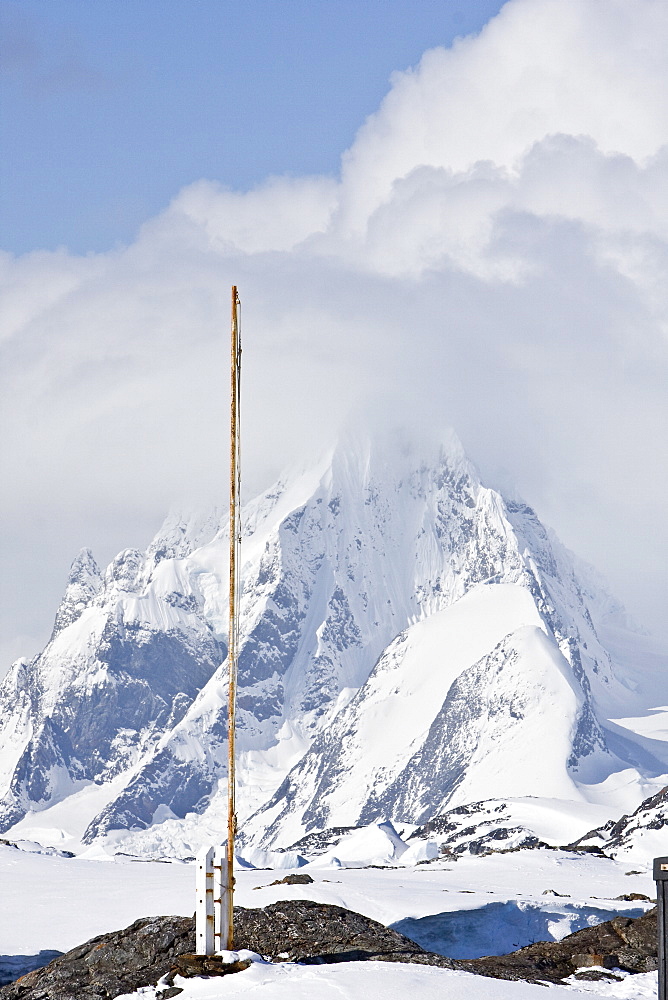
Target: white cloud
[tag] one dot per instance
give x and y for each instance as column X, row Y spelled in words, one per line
column 277, row 215
column 579, row 67
column 494, row 255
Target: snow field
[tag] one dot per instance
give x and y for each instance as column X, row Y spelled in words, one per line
column 387, row 981
column 58, row 903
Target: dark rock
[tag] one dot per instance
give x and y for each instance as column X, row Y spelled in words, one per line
column 110, row 964
column 584, row 849
column 623, row 942
column 591, row 959
column 312, row 933
column 294, row 879
column 189, row 966
column 289, row 931
column 594, row 975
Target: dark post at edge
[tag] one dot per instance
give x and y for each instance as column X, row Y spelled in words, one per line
column 661, row 879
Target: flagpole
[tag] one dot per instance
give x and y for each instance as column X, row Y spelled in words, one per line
column 235, row 537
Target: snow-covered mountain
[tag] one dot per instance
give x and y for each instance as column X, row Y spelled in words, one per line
column 410, row 642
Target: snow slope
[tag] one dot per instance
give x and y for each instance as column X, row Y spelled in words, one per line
column 385, row 981
column 499, row 683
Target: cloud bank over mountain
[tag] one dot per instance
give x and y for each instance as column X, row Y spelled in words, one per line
column 493, row 256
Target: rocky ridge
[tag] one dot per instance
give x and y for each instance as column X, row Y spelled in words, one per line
column 150, row 949
column 630, row 831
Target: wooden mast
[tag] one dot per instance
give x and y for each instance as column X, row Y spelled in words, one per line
column 235, row 538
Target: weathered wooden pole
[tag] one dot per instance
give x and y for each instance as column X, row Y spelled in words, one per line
column 235, row 537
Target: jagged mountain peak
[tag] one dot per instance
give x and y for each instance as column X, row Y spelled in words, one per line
column 347, row 565
column 84, row 568
column 83, row 585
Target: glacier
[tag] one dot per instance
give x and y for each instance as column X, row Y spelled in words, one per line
column 410, row 641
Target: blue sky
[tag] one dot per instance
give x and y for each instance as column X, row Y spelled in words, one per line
column 109, row 107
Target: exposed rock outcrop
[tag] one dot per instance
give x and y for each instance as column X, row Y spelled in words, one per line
column 620, row 943
column 111, row 964
column 289, row 931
